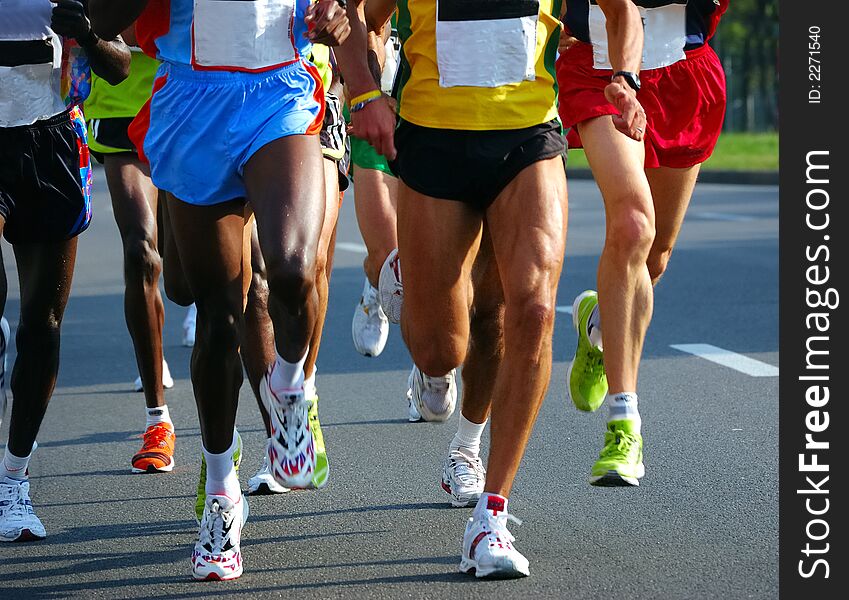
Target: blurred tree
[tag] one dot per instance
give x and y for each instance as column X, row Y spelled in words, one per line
column 747, row 44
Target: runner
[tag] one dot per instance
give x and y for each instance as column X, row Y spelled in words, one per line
column 682, row 86
column 251, row 109
column 481, row 159
column 46, row 50
column 110, row 109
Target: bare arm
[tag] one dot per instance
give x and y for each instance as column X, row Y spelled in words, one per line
column 375, row 123
column 625, row 45
column 378, row 13
column 110, row 17
column 109, row 58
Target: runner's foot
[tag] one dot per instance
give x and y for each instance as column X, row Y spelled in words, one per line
column 585, row 377
column 291, row 452
column 167, row 380
column 18, row 522
column 369, row 327
column 488, row 545
column 621, row 460
column 200, row 497
column 463, row 478
column 217, row 554
column 189, row 326
column 263, row 483
column 434, row 398
column 157, row 451
column 390, row 287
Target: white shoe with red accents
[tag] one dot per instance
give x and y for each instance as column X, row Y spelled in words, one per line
column 217, row 554
column 487, row 544
column 291, row 451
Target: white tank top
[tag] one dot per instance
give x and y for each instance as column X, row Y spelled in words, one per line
column 30, row 72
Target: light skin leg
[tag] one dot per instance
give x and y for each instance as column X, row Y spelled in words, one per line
column 375, row 201
column 624, row 286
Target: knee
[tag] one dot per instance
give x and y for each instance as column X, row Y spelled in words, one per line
column 218, row 323
column 531, row 316
column 630, row 235
column 291, row 279
column 141, row 259
column 657, row 262
column 42, row 333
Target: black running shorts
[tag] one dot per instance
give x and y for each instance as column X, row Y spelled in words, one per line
column 45, row 179
column 471, row 166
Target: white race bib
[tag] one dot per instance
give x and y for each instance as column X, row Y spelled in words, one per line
column 664, row 30
column 243, row 35
column 477, row 49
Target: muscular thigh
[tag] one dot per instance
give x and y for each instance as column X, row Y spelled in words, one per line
column 437, row 241
column 527, row 223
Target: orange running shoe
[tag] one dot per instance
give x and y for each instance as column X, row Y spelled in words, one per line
column 157, row 451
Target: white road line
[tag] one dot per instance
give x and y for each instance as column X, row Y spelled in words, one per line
column 349, row 247
column 729, row 359
column 720, row 216
column 563, row 309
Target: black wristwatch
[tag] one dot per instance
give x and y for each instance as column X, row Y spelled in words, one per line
column 632, row 79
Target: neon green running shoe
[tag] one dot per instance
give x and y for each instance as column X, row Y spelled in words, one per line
column 200, row 500
column 585, row 377
column 322, row 467
column 621, row 460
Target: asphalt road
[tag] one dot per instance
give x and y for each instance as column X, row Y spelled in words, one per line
column 703, row 524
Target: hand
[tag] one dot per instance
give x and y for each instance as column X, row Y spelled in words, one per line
column 566, row 41
column 70, row 20
column 375, row 123
column 631, row 119
column 327, row 23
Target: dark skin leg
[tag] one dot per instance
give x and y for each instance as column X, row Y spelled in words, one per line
column 259, row 333
column 210, row 243
column 45, row 272
column 289, row 207
column 134, row 203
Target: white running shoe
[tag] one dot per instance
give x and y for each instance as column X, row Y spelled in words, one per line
column 369, row 327
column 433, row 397
column 167, row 380
column 189, row 326
column 263, row 483
column 291, row 452
column 488, row 545
column 463, row 478
column 5, row 335
column 391, row 288
column 413, row 415
column 217, row 555
column 18, row 522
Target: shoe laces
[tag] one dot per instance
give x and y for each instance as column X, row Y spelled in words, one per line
column 439, row 385
column 498, row 525
column 467, row 471
column 156, row 436
column 15, row 501
column 215, row 528
column 619, row 444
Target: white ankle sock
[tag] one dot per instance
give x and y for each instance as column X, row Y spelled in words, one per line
column 15, row 467
column 490, row 504
column 594, row 328
column 624, row 406
column 310, row 390
column 286, row 376
column 221, row 475
column 468, row 437
column 158, row 414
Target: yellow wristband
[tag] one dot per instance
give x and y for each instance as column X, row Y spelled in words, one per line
column 366, row 96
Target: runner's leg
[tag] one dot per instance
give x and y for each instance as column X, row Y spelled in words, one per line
column 375, row 194
column 671, row 191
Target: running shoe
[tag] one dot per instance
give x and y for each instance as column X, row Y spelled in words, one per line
column 390, row 287
column 488, row 545
column 157, row 451
column 621, row 460
column 413, row 415
column 217, row 555
column 369, row 327
column 167, row 380
column 200, row 498
column 585, row 378
column 291, row 452
column 263, row 483
column 18, row 522
column 463, row 478
column 322, row 467
column 189, row 326
column 5, row 334
column 433, row 397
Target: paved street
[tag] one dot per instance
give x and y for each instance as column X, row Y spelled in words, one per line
column 703, row 524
